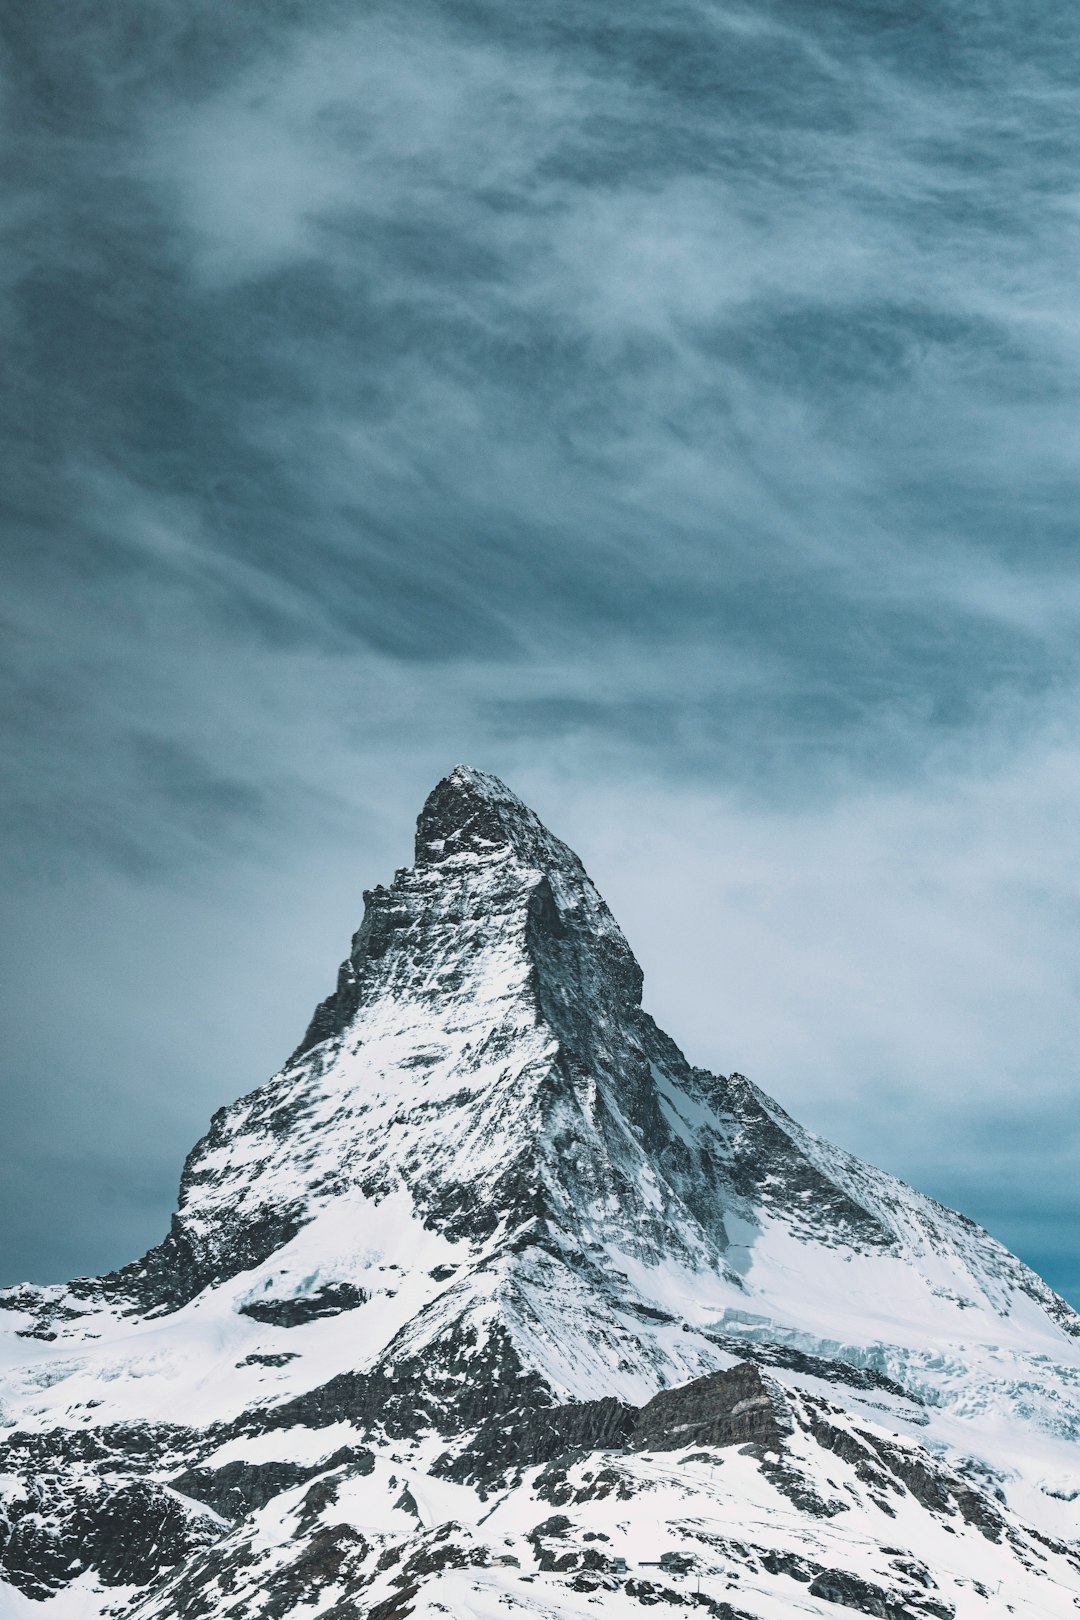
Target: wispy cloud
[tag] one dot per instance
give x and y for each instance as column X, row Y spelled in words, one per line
column 676, row 413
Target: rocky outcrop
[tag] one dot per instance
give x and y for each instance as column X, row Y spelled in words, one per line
column 329, row 1300
column 738, row 1407
column 866, row 1597
column 126, row 1534
column 500, row 1450
column 236, row 1489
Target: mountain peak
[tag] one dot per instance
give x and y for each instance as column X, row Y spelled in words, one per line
column 476, row 1229
column 473, row 812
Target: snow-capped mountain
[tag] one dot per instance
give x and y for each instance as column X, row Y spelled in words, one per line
column 488, row 1299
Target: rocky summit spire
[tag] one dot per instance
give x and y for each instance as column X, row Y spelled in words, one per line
column 471, row 812
column 488, row 875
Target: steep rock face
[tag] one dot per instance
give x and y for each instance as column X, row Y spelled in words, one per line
column 736, row 1407
column 488, row 1220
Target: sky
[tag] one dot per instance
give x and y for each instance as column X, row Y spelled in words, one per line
column 673, row 410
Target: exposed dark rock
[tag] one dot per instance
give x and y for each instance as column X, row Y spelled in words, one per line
column 787, row 1563
column 736, row 1407
column 650, row 1593
column 889, row 1466
column 127, row 1534
column 447, row 1547
column 238, row 1488
column 330, row 1300
column 332, row 1556
column 539, row 1436
column 25, row 1298
column 395, row 1607
column 793, row 1483
column 119, row 1447
column 865, row 1597
column 173, row 1272
column 453, row 1388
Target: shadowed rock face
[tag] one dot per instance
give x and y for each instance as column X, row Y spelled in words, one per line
column 737, row 1407
column 574, row 944
column 500, row 1448
column 127, row 1533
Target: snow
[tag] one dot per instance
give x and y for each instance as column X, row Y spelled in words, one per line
column 82, row 1600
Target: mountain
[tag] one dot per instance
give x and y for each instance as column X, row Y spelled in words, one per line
column 490, row 1302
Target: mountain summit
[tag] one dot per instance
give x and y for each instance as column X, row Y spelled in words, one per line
column 471, row 812
column 486, row 1227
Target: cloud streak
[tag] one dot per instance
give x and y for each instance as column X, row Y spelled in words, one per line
column 676, row 414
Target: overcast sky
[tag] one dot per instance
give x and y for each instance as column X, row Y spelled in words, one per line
column 673, row 409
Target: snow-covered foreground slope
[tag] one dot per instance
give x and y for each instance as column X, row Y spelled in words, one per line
column 433, row 1271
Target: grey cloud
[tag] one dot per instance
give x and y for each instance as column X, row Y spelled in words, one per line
column 659, row 409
